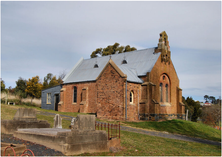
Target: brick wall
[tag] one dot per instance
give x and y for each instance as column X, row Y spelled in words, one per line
column 110, row 94
column 86, row 98
column 132, row 108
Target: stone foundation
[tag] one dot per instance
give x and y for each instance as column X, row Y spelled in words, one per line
column 157, row 117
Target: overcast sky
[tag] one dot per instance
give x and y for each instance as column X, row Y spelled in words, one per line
column 50, row 37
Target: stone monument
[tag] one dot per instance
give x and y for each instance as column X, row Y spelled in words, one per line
column 25, row 114
column 24, row 118
column 82, row 138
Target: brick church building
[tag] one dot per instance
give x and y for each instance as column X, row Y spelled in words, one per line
column 136, row 85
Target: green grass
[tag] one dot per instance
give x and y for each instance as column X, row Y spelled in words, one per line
column 177, row 126
column 8, row 112
column 134, row 144
column 73, row 114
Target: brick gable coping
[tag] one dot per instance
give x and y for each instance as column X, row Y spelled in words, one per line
column 115, row 67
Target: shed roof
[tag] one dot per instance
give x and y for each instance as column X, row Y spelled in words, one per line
column 138, row 64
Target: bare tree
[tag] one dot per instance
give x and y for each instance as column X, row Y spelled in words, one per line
column 211, row 115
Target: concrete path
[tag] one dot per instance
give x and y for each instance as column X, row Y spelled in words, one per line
column 149, row 132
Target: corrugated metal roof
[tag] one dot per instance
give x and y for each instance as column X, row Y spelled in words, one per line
column 138, row 64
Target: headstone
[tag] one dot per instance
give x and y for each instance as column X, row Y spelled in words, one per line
column 72, row 123
column 84, row 122
column 25, row 114
column 57, row 121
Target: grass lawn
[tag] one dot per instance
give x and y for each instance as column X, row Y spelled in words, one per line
column 177, row 126
column 135, row 144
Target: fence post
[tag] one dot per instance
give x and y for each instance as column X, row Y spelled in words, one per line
column 119, row 130
column 116, row 130
column 108, row 131
column 111, row 130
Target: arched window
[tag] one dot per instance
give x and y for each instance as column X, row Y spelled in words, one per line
column 131, row 97
column 161, row 92
column 75, row 94
column 166, row 87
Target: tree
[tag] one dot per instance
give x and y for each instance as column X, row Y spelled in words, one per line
column 50, row 80
column 11, row 90
column 61, row 76
column 212, row 99
column 193, row 107
column 206, row 97
column 34, row 87
column 47, row 79
column 2, row 86
column 111, row 49
column 53, row 82
column 20, row 88
column 211, row 115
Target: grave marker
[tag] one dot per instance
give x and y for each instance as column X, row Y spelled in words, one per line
column 57, row 121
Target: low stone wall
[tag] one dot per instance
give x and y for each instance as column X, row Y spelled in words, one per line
column 10, row 126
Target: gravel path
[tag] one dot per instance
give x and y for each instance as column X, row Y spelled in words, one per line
column 37, row 149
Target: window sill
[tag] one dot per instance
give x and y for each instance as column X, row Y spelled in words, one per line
column 132, row 103
column 165, row 104
column 74, row 103
column 83, row 103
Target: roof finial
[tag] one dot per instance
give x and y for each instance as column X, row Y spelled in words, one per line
column 96, row 65
column 124, row 59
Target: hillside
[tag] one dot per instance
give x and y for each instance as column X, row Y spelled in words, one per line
column 182, row 127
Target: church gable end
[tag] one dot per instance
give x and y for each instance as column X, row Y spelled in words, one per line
column 110, row 93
